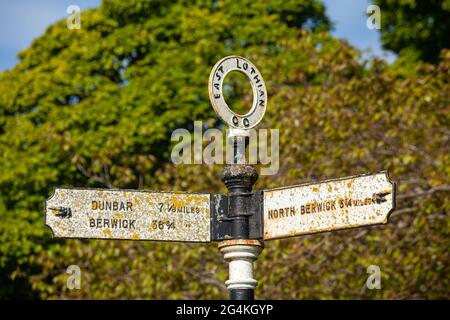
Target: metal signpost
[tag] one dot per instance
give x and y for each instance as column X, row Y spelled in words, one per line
column 129, row 214
column 328, row 205
column 240, row 221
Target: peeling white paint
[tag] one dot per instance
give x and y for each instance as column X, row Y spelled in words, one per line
column 329, row 205
column 129, row 214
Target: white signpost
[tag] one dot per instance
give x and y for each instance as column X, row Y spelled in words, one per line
column 242, row 219
column 129, row 214
column 329, row 205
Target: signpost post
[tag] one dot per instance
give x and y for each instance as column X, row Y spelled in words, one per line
column 240, row 221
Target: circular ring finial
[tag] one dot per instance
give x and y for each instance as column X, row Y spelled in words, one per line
column 216, row 78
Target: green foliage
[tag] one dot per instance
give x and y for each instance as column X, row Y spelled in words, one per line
column 415, row 29
column 95, row 107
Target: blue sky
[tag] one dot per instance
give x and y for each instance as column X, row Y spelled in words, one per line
column 23, row 20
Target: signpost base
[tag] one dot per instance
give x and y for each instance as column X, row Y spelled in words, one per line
column 240, row 255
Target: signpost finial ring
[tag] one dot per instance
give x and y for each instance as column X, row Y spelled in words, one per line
column 216, row 78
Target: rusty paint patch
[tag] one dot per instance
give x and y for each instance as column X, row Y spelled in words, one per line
column 329, row 205
column 129, row 214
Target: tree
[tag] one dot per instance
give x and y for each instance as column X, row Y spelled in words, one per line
column 414, row 28
column 95, row 107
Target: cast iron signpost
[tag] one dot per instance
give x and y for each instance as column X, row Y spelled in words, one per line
column 328, row 205
column 129, row 214
column 239, row 221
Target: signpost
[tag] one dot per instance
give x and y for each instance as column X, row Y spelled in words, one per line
column 129, row 214
column 239, row 221
column 328, row 205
